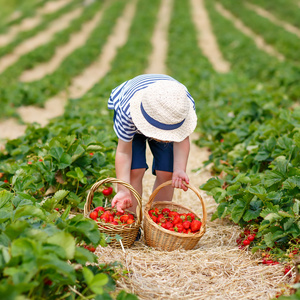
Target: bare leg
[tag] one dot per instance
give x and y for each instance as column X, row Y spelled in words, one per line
column 166, row 193
column 136, row 180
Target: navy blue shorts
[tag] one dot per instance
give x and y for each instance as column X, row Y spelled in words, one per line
column 162, row 154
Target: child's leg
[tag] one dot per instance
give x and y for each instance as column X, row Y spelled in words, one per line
column 136, row 180
column 166, row 193
column 162, row 167
column 138, row 166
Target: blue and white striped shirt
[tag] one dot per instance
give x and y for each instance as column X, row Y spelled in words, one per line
column 119, row 100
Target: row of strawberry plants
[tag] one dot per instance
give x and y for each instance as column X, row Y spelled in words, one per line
column 45, row 52
column 83, row 122
column 47, row 20
column 282, row 40
column 287, row 11
column 250, row 62
column 255, row 148
column 24, row 9
column 38, row 92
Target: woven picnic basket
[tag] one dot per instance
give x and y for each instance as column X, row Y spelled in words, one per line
column 166, row 240
column 127, row 232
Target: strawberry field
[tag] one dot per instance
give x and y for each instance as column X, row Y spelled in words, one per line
column 248, row 131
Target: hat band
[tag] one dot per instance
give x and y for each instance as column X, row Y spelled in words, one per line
column 158, row 124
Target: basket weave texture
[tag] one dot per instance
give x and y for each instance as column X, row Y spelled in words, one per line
column 166, row 240
column 127, row 232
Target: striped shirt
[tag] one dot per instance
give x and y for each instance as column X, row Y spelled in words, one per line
column 119, row 100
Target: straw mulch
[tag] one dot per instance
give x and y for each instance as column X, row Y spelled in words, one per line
column 214, row 269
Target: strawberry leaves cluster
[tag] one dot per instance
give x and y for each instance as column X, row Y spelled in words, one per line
column 172, row 220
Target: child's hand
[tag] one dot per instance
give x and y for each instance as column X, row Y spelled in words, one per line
column 178, row 178
column 122, row 200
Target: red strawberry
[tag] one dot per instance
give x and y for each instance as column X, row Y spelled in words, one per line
column 178, row 227
column 130, row 221
column 108, row 191
column 173, row 214
column 99, row 208
column 161, row 219
column 154, row 218
column 246, row 242
column 165, row 211
column 130, row 216
column 186, row 224
column 94, row 215
column 169, row 225
column 250, row 237
column 124, row 218
column 177, row 220
column 190, row 217
column 239, row 240
column 195, row 225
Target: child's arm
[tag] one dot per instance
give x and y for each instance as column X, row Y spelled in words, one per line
column 181, row 154
column 123, row 167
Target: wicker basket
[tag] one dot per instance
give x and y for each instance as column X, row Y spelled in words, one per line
column 166, row 240
column 127, row 232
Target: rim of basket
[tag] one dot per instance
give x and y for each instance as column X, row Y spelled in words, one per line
column 96, row 185
column 189, row 186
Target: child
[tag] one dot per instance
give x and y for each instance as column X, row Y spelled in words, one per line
column 158, row 109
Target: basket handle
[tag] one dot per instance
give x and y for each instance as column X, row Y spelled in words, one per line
column 188, row 185
column 95, row 187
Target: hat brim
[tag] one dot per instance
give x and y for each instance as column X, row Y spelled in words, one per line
column 174, row 135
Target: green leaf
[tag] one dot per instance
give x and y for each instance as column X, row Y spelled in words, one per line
column 23, row 246
column 285, row 214
column 5, row 197
column 125, row 296
column 66, row 241
column 97, row 283
column 66, row 212
column 292, row 182
column 287, row 225
column 272, row 217
column 83, row 255
column 259, row 191
column 59, row 195
column 254, row 210
column 65, row 161
column 268, row 238
column 238, row 211
column 77, row 153
column 94, row 148
column 29, row 211
column 56, row 152
column 296, row 139
column 272, row 177
column 88, row 275
column 296, row 207
column 281, row 164
column 262, row 155
column 211, row 183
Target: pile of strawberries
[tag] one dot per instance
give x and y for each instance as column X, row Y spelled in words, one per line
column 246, row 238
column 111, row 216
column 174, row 221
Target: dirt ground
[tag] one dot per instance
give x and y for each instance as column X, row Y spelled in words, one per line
column 216, row 269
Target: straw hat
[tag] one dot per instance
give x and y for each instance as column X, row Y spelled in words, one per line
column 163, row 111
